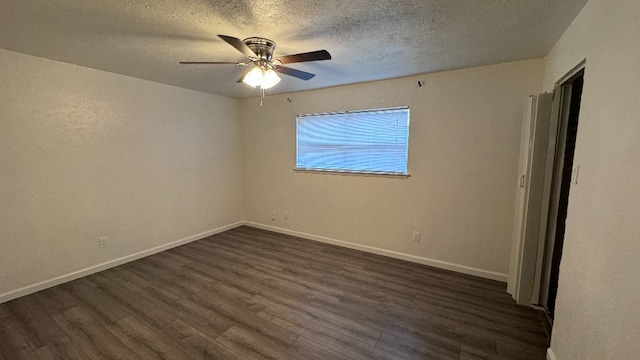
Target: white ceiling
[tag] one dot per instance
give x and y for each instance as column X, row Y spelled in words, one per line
column 368, row 39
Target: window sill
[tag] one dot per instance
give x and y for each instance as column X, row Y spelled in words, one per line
column 353, row 173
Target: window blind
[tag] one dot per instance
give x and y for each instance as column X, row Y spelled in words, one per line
column 369, row 141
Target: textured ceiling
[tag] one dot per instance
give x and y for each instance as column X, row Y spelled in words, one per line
column 368, row 39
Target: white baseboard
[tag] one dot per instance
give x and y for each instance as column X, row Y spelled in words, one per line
column 30, row 289
column 397, row 255
column 8, row 296
column 550, row 355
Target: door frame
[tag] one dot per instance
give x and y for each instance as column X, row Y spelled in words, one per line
column 553, row 180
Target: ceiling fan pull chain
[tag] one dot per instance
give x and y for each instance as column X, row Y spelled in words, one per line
column 261, row 95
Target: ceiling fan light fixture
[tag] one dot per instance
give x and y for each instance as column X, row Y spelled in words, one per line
column 259, row 77
column 254, row 77
column 269, row 79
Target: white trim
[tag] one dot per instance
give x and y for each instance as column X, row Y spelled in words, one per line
column 30, row 289
column 352, row 173
column 550, row 355
column 397, row 255
column 572, row 73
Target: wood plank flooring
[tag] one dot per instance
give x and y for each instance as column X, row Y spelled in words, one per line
column 253, row 294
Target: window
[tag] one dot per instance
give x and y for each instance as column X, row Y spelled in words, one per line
column 367, row 141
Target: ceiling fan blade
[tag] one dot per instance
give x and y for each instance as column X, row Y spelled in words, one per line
column 208, row 62
column 303, row 75
column 242, row 77
column 303, row 57
column 238, row 44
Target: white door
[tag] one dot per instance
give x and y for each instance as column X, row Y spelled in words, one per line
column 530, row 212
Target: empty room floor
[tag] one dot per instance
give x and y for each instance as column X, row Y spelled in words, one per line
column 253, row 294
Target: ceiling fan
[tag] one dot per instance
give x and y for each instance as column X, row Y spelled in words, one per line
column 260, row 53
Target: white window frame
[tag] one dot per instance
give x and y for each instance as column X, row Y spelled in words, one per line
column 351, row 171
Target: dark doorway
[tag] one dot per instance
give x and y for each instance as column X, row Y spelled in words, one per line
column 574, row 86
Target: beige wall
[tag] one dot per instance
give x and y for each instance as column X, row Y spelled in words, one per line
column 86, row 153
column 599, row 294
column 464, row 147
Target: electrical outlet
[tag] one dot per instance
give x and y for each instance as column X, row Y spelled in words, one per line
column 416, row 237
column 286, row 214
column 103, row 242
column 273, row 215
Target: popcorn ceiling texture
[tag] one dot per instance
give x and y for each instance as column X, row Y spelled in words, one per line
column 369, row 40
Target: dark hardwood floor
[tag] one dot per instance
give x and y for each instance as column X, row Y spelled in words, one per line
column 253, row 294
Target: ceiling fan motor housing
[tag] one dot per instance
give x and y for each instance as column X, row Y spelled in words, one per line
column 262, row 47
